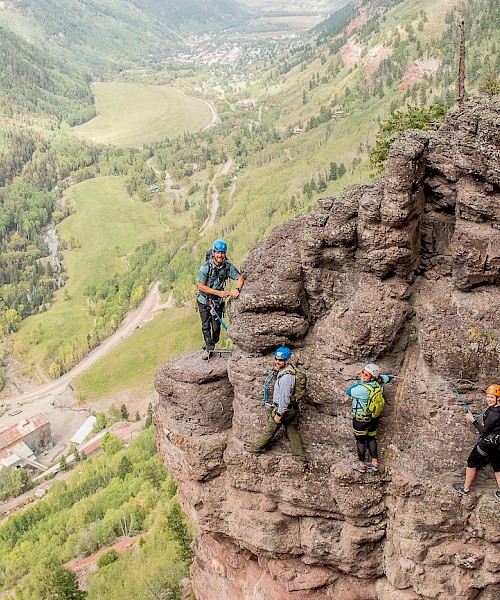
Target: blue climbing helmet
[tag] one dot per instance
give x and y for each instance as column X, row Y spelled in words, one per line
column 283, row 353
column 219, row 246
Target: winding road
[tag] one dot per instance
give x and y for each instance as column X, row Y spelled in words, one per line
column 42, row 399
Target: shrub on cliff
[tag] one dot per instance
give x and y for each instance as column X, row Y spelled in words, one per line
column 427, row 119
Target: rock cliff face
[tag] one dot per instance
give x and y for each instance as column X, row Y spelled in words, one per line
column 403, row 271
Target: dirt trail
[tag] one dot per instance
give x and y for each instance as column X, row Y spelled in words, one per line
column 213, row 196
column 121, row 546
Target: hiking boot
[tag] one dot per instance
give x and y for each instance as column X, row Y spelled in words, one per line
column 371, row 467
column 357, row 467
column 250, row 448
column 459, row 487
column 205, row 355
column 254, row 452
column 497, row 495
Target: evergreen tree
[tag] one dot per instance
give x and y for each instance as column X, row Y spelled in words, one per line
column 149, row 417
column 64, row 585
column 155, row 472
column 124, row 412
column 124, row 467
column 180, row 532
column 427, row 119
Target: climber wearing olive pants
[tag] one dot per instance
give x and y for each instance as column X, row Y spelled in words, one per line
column 284, row 412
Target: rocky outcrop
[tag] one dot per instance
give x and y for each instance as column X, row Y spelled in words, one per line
column 404, row 271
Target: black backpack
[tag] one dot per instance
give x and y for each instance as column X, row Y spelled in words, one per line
column 216, row 278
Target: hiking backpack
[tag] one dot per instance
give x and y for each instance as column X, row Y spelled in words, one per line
column 376, row 401
column 299, row 389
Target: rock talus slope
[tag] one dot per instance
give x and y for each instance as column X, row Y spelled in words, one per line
column 405, row 272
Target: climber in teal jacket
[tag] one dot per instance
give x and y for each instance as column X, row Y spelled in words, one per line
column 364, row 423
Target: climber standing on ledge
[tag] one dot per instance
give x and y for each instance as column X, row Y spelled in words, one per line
column 367, row 405
column 285, row 411
column 488, row 448
column 211, row 281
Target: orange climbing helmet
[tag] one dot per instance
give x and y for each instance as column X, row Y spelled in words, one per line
column 493, row 389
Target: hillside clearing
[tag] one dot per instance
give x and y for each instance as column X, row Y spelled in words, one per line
column 133, row 114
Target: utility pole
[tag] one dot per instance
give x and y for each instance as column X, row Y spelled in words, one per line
column 461, row 66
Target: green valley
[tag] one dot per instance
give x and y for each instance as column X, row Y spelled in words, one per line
column 105, row 228
column 301, row 120
column 132, row 115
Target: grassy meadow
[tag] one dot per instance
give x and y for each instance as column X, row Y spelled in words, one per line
column 134, row 362
column 133, row 114
column 105, row 226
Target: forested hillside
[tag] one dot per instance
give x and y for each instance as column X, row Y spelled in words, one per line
column 122, row 493
column 36, row 83
column 194, row 16
column 108, row 34
column 81, row 31
column 296, row 125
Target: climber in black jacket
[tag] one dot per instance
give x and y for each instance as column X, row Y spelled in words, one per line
column 488, row 448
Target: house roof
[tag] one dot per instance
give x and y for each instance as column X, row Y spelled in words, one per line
column 84, row 430
column 92, row 447
column 17, row 432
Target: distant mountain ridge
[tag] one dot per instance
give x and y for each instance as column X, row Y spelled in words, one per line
column 141, row 29
column 195, row 15
column 36, row 83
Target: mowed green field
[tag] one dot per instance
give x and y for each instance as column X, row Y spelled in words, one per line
column 132, row 114
column 106, row 225
column 134, row 362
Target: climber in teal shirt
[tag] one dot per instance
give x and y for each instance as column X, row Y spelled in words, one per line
column 364, row 422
